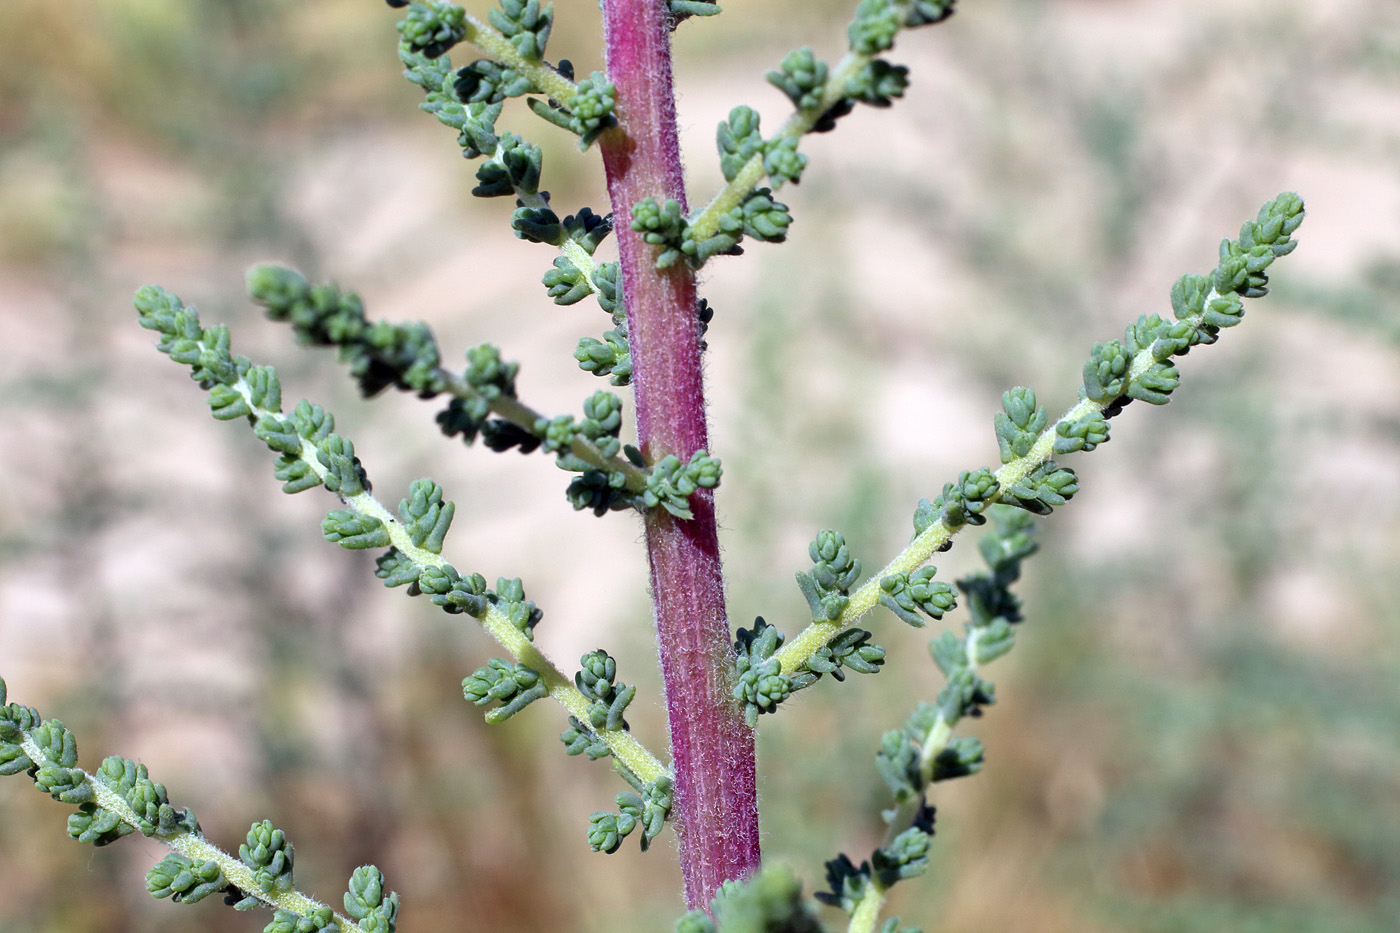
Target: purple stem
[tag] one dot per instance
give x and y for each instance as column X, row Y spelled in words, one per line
column 715, row 809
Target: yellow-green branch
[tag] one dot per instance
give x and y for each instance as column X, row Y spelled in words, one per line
column 626, row 750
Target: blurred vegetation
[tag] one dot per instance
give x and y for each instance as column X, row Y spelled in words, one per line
column 1198, row 729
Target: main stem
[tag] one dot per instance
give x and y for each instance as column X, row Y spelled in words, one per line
column 715, row 807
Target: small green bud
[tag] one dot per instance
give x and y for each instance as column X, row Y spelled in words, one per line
column 739, row 140
column 433, row 27
column 489, row 83
column 802, row 77
column 1085, row 434
column 661, row 225
column 1043, row 489
column 1106, row 372
column 878, row 84
column 367, row 901
column 183, row 880
column 526, row 24
column 964, row 755
column 354, row 530
column 538, row 225
column 514, row 170
column 269, row 854
column 607, row 830
column 782, row 161
column 905, row 857
column 591, row 109
column 876, row 24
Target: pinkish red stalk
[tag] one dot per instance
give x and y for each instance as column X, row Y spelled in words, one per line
column 715, row 810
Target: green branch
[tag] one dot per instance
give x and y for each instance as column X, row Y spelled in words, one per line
column 544, row 77
column 1138, row 368
column 822, row 96
column 625, row 748
column 705, row 223
column 526, row 418
column 312, row 455
column 406, row 356
column 121, row 799
column 197, row 849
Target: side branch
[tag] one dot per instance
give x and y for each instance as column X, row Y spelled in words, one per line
column 626, row 749
column 1138, row 368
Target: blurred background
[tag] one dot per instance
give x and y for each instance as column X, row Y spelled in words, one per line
column 1198, row 730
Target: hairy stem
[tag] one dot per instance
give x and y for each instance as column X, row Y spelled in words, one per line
column 716, row 811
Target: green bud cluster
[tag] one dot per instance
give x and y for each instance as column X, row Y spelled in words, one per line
column 526, row 24
column 913, row 595
column 1019, row 424
column 57, row 773
column 1044, row 489
column 456, row 593
column 904, row 857
column 512, row 685
column 154, row 816
column 587, row 114
column 490, row 82
column 488, row 379
column 769, row 901
column 433, row 28
column 269, row 854
column 850, row 650
column 802, row 77
column 760, row 684
column 580, row 739
column 877, row 83
column 739, row 140
column 425, row 516
column 597, row 682
column 367, row 902
column 183, row 880
column 473, row 119
column 514, row 169
column 663, row 225
column 671, row 483
column 827, row 585
column 960, row 503
column 649, row 810
column 1084, row 433
column 610, row 357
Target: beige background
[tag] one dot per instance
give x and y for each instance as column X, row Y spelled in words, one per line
column 1197, row 731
